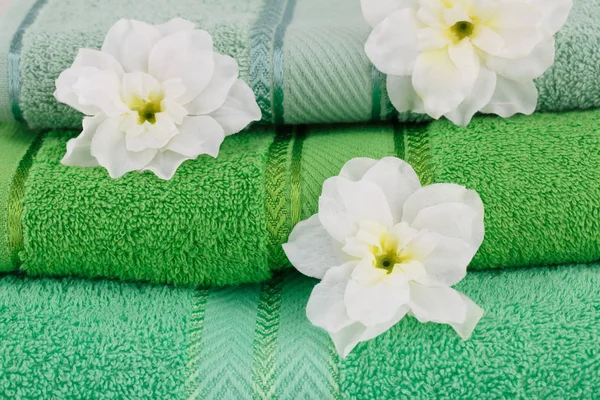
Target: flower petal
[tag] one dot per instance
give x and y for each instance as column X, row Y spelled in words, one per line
column 478, row 98
column 90, row 91
column 376, row 11
column 214, row 94
column 346, row 339
column 165, row 164
column 240, row 108
column 376, row 304
column 78, row 149
column 431, row 39
column 439, row 83
column 444, row 259
column 138, row 86
column 344, row 204
column 436, row 304
column 472, row 317
column 311, row 250
column 402, row 94
column 108, row 147
column 97, row 59
column 325, row 307
column 197, row 135
column 187, row 55
column 526, row 68
column 431, row 13
column 130, row 42
column 554, row 13
column 398, row 181
column 150, row 136
column 429, row 202
column 517, row 22
column 512, row 97
column 175, row 25
column 488, row 40
column 356, row 168
column 392, row 46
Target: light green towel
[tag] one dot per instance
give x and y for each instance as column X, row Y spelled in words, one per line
column 222, row 221
column 103, row 340
column 304, row 59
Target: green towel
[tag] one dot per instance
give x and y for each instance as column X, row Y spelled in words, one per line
column 95, row 339
column 222, row 221
column 304, row 59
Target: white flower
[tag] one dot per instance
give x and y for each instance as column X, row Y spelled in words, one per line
column 457, row 57
column 155, row 96
column 384, row 246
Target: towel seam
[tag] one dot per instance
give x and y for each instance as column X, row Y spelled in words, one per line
column 14, row 60
column 16, row 198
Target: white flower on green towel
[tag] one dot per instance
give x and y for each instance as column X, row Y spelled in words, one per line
column 457, row 57
column 154, row 96
column 384, row 247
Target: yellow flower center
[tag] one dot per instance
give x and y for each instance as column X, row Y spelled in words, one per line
column 147, row 109
column 389, row 254
column 462, row 29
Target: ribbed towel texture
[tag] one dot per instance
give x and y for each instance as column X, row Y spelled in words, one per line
column 102, row 340
column 222, row 221
column 304, row 59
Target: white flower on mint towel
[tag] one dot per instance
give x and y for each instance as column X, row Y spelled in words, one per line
column 457, row 57
column 383, row 247
column 154, row 97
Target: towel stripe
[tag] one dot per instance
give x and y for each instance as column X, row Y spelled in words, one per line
column 376, row 78
column 265, row 339
column 277, row 198
column 278, row 62
column 15, row 201
column 296, row 175
column 399, row 138
column 266, row 57
column 14, row 60
column 195, row 338
column 417, row 151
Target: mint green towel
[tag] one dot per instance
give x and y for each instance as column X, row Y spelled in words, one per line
column 95, row 339
column 222, row 221
column 304, row 59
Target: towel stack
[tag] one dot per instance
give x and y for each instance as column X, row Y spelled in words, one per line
column 221, row 222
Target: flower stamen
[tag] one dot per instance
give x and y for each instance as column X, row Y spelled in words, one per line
column 147, row 110
column 462, row 29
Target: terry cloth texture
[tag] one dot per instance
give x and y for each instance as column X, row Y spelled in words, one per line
column 94, row 339
column 222, row 221
column 293, row 53
column 70, row 339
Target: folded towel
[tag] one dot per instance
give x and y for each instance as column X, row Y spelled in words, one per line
column 222, row 221
column 96, row 339
column 304, row 59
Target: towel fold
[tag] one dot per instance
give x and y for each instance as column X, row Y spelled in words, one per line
column 222, row 221
column 96, row 339
column 304, row 59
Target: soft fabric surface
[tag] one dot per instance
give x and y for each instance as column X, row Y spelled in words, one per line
column 295, row 54
column 96, row 339
column 222, row 221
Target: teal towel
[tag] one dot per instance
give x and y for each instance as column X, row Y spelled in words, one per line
column 103, row 340
column 304, row 59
